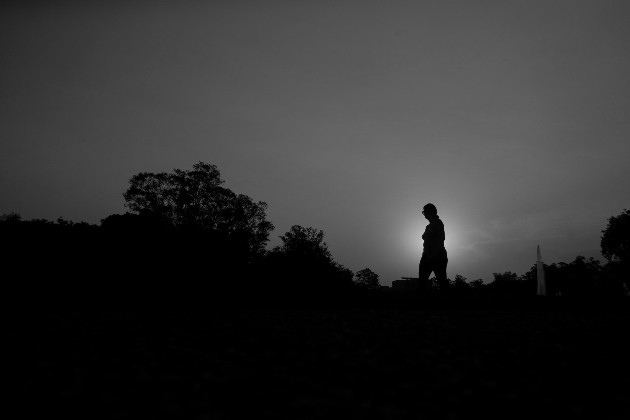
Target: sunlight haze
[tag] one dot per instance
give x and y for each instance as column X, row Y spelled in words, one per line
column 513, row 118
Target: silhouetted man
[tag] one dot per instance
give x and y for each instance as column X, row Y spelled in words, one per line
column 434, row 258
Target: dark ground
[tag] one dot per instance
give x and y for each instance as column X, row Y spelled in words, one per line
column 509, row 362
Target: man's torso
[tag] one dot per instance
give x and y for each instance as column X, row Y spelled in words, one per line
column 434, row 237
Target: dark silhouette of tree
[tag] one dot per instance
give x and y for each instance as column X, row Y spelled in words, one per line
column 460, row 284
column 248, row 220
column 11, row 217
column 367, row 279
column 444, row 285
column 134, row 224
column 506, row 283
column 303, row 265
column 477, row 284
column 196, row 200
column 615, row 241
column 615, row 246
column 38, row 251
column 583, row 277
column 305, row 242
column 181, row 197
column 505, row 277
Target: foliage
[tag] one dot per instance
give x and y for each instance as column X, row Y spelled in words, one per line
column 301, row 242
column 11, row 217
column 505, row 277
column 506, row 284
column 186, row 226
column 41, row 249
column 182, row 197
column 304, row 262
column 367, row 279
column 615, row 241
column 458, row 286
column 476, row 284
column 196, row 200
column 460, row 283
column 615, row 246
column 580, row 277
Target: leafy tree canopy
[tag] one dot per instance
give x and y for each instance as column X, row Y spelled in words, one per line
column 195, row 199
column 505, row 277
column 304, row 251
column 305, row 242
column 615, row 241
column 11, row 217
column 367, row 278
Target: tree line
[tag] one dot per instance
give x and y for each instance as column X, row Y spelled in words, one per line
column 582, row 277
column 185, row 232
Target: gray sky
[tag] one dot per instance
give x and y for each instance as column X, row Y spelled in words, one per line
column 513, row 118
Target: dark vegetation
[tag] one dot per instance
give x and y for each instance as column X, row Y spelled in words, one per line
column 187, row 238
column 290, row 332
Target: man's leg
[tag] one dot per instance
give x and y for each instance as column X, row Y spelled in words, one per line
column 440, row 270
column 424, row 271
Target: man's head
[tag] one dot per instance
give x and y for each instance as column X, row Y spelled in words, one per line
column 429, row 211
